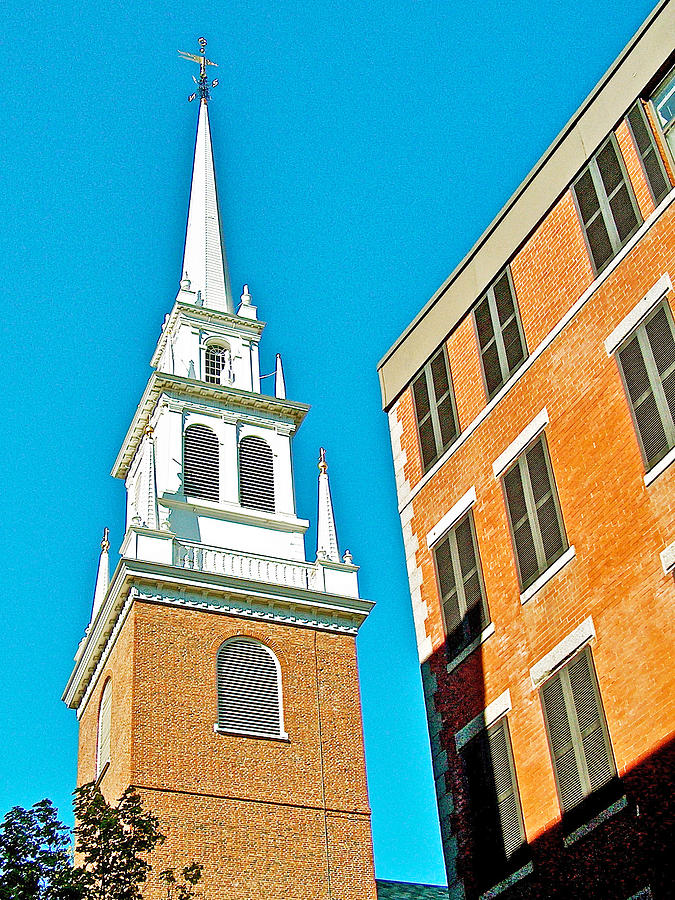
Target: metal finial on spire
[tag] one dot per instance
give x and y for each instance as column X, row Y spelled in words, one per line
column 323, row 465
column 105, row 543
column 202, row 82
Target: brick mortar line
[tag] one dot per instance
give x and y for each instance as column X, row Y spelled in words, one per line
column 327, row 809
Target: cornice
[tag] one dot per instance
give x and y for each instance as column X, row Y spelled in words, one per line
column 234, row 513
column 226, row 397
column 253, row 328
column 192, row 589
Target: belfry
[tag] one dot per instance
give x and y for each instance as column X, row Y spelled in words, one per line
column 218, row 673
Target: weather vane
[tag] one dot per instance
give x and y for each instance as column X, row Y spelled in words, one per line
column 202, row 82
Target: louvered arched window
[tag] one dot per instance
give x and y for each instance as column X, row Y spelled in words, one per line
column 256, row 474
column 217, row 364
column 200, row 463
column 249, row 689
column 103, row 735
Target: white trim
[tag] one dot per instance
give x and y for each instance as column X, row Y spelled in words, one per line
column 452, row 516
column 260, row 735
column 660, row 467
column 667, row 556
column 593, row 823
column 639, row 312
column 569, row 645
column 546, row 576
column 498, row 889
column 492, row 712
column 516, row 447
column 467, row 651
column 576, row 307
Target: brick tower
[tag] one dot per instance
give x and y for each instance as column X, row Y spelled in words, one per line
column 218, row 672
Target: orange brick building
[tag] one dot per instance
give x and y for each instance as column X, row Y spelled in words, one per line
column 532, row 414
column 218, row 673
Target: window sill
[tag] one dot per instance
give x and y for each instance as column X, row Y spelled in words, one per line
column 660, row 467
column 256, row 735
column 507, row 882
column 601, row 817
column 546, row 576
column 105, row 768
column 467, row 651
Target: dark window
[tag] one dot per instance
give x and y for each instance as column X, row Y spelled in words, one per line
column 647, row 363
column 435, row 408
column 256, row 474
column 609, row 213
column 500, row 334
column 217, row 364
column 249, row 688
column 652, row 164
column 577, row 732
column 460, row 581
column 496, row 817
column 200, row 463
column 534, row 513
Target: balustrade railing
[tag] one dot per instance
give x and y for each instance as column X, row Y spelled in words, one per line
column 243, row 565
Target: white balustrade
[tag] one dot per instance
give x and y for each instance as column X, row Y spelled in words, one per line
column 243, row 565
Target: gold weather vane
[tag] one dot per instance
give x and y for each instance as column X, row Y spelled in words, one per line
column 323, row 465
column 202, row 83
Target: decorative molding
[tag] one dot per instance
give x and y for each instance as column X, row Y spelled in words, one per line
column 639, row 312
column 105, row 653
column 453, row 515
column 491, row 714
column 516, row 447
column 660, row 467
column 668, row 558
column 601, row 817
column 546, row 576
column 555, row 658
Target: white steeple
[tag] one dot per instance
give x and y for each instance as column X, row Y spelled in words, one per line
column 326, row 535
column 102, row 575
column 204, row 261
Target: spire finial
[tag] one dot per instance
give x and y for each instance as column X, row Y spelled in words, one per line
column 202, row 83
column 105, row 543
column 323, row 465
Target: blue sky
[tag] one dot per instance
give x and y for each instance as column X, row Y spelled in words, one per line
column 361, row 149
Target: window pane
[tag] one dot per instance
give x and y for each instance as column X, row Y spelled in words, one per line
column 625, row 219
column 587, row 197
column 609, row 168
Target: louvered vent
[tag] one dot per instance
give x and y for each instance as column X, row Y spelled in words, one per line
column 256, row 474
column 249, row 690
column 649, row 154
column 200, row 463
column 104, row 723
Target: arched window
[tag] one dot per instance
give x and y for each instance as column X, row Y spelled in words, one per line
column 103, row 736
column 256, row 474
column 249, row 689
column 200, row 463
column 218, row 364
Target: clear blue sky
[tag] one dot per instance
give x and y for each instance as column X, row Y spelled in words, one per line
column 361, row 149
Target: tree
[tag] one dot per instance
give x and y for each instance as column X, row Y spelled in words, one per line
column 36, row 856
column 114, row 842
column 186, row 888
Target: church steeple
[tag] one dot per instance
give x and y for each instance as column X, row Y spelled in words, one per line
column 204, row 260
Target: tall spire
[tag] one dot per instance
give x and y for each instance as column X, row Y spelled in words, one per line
column 326, row 537
column 102, row 576
column 204, row 260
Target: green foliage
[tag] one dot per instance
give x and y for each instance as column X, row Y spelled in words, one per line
column 185, row 889
column 36, row 856
column 114, row 842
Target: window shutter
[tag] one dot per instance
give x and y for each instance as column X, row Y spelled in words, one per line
column 578, row 737
column 471, row 581
column 508, row 805
column 547, row 514
column 200, row 463
column 596, row 750
column 434, row 408
column 565, row 762
column 650, row 157
column 521, row 528
column 500, row 338
column 104, row 726
column 256, row 474
column 647, row 363
column 249, row 690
